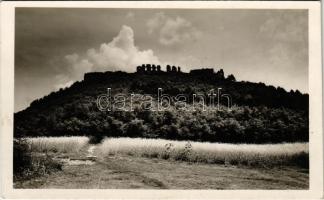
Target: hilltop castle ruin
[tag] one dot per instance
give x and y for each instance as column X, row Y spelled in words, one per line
column 152, row 69
column 156, row 69
column 148, row 68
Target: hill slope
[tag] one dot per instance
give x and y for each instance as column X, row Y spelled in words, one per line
column 259, row 113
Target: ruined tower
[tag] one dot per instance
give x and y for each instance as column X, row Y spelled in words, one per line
column 168, row 68
column 174, row 69
column 220, row 74
column 138, row 68
column 148, row 67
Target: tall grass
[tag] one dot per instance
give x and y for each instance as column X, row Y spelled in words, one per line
column 57, row 144
column 266, row 155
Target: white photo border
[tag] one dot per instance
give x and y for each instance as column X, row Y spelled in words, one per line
column 315, row 190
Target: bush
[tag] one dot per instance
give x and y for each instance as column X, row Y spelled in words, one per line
column 135, row 128
column 22, row 160
column 26, row 165
column 96, row 139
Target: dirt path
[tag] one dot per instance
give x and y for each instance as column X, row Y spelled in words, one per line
column 126, row 172
column 91, row 150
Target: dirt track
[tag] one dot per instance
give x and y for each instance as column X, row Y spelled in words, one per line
column 126, row 172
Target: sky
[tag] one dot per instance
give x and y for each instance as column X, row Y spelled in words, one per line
column 54, row 47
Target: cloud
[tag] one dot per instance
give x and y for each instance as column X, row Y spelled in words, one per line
column 78, row 66
column 186, row 62
column 172, row 31
column 157, row 21
column 119, row 54
column 286, row 27
column 288, row 38
column 63, row 85
column 130, row 15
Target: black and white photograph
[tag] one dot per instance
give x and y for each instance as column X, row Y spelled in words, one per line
column 161, row 98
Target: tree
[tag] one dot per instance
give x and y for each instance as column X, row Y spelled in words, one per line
column 135, row 128
column 231, row 77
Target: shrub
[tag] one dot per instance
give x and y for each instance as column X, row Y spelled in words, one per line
column 27, row 164
column 135, row 128
column 22, row 160
column 96, row 138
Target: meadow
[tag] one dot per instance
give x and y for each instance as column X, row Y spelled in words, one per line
column 261, row 155
column 264, row 155
column 57, row 144
column 124, row 163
